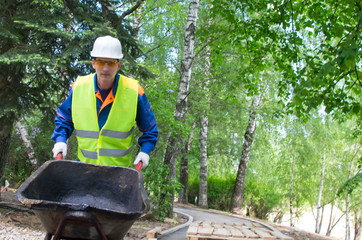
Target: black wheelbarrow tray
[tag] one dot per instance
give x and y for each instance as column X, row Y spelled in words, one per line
column 75, row 200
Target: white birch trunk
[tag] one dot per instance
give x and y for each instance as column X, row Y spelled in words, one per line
column 137, row 22
column 348, row 230
column 174, row 146
column 350, row 172
column 238, row 192
column 174, row 143
column 187, row 61
column 331, row 219
column 29, row 147
column 204, row 125
column 291, row 191
column 204, row 128
column 319, row 202
column 347, row 236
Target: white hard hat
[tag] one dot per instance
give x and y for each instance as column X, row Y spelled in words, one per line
column 107, row 47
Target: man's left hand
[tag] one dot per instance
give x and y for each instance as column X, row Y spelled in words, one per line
column 142, row 157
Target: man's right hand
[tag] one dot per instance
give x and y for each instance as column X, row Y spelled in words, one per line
column 60, row 147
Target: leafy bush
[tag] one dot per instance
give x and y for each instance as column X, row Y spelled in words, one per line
column 219, row 191
column 261, row 198
column 159, row 190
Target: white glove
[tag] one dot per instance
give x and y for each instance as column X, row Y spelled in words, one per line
column 60, row 147
column 142, row 157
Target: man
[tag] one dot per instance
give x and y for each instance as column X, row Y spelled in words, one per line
column 102, row 108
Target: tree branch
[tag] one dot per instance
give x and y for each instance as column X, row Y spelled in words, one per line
column 131, row 10
column 355, row 69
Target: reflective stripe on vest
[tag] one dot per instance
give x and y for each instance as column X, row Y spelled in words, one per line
column 108, row 133
column 112, row 145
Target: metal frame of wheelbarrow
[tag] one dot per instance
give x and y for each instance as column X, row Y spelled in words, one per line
column 77, row 217
column 77, row 200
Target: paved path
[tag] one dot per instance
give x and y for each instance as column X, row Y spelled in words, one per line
column 179, row 233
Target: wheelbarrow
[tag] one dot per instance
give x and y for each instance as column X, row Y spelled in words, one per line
column 75, row 200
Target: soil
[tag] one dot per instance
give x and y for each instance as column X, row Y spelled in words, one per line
column 14, row 218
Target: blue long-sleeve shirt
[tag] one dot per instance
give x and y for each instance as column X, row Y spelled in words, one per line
column 145, row 118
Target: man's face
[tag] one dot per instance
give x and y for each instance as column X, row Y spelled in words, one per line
column 106, row 69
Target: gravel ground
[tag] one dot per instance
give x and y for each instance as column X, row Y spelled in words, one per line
column 12, row 232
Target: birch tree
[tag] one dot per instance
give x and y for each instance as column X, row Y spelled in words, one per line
column 175, row 141
column 238, row 193
column 348, row 230
column 184, row 167
column 291, row 191
column 29, row 147
column 204, row 128
column 319, row 219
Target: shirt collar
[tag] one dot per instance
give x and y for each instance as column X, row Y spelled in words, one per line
column 114, row 86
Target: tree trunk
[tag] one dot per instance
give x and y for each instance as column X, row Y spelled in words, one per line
column 238, row 193
column 319, row 218
column 204, row 122
column 204, row 128
column 350, row 172
column 291, row 192
column 279, row 217
column 29, row 147
column 329, row 229
column 6, row 128
column 137, row 22
column 357, row 225
column 334, row 223
column 347, row 236
column 184, row 167
column 174, row 143
column 11, row 76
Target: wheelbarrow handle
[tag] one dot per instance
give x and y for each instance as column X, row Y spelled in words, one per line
column 139, row 166
column 59, row 156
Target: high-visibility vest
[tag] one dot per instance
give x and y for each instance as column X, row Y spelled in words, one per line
column 111, row 145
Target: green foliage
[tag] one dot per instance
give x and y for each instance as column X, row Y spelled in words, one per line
column 353, row 183
column 329, row 60
column 43, row 45
column 219, row 191
column 300, row 54
column 39, row 128
column 159, row 191
column 261, row 198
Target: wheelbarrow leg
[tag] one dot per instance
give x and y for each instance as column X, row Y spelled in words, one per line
column 48, row 236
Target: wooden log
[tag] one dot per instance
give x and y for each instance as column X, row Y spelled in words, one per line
column 222, row 232
column 248, row 233
column 205, row 224
column 205, row 231
column 257, row 225
column 248, row 224
column 192, row 230
column 153, row 233
column 280, row 235
column 192, row 238
column 264, row 234
column 235, row 232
